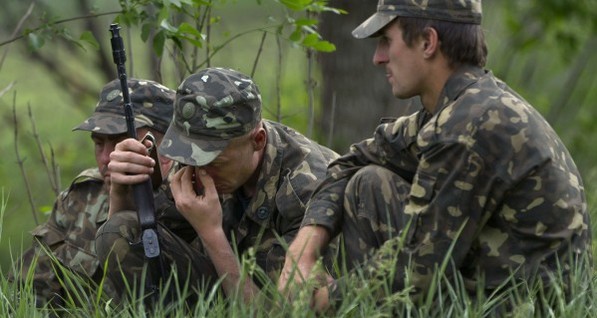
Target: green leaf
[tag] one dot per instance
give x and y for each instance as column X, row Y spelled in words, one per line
column 65, row 33
column 324, row 46
column 295, row 36
column 305, row 22
column 158, row 43
column 335, row 10
column 296, row 5
column 164, row 13
column 167, row 26
column 308, row 29
column 88, row 38
column 35, row 41
column 145, row 31
column 45, row 210
column 176, row 3
column 177, row 42
column 199, row 3
column 189, row 29
column 310, row 40
column 193, row 41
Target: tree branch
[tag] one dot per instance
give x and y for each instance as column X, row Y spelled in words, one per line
column 20, row 161
column 17, row 30
column 57, row 22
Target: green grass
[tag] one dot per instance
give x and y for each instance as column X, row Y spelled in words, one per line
column 361, row 298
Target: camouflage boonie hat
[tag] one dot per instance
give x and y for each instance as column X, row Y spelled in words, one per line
column 211, row 107
column 152, row 105
column 463, row 11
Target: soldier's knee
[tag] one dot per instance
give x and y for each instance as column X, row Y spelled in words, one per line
column 375, row 187
column 114, row 238
column 372, row 177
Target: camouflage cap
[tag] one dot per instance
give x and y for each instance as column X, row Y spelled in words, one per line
column 152, row 105
column 211, row 107
column 463, row 11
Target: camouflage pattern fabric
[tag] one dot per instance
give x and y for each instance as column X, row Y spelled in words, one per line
column 69, row 235
column 372, row 189
column 292, row 167
column 151, row 103
column 212, row 107
column 486, row 164
column 120, row 247
column 460, row 11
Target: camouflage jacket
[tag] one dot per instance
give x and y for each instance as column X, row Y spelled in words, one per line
column 69, row 234
column 291, row 169
column 488, row 174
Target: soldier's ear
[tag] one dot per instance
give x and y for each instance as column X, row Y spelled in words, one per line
column 430, row 42
column 259, row 138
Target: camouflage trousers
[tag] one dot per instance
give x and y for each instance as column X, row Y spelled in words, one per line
column 373, row 203
column 121, row 252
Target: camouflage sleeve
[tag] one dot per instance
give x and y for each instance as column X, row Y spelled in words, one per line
column 38, row 260
column 295, row 189
column 325, row 207
column 75, row 212
column 390, row 147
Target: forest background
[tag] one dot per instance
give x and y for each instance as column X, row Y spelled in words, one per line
column 55, row 57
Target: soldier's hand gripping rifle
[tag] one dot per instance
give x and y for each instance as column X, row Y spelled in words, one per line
column 143, row 193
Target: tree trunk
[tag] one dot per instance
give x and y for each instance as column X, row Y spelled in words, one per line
column 356, row 94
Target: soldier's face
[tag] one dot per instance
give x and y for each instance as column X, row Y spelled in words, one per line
column 237, row 166
column 403, row 64
column 104, row 145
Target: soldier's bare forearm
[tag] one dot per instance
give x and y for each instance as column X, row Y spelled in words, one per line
column 302, row 255
column 309, row 242
column 227, row 265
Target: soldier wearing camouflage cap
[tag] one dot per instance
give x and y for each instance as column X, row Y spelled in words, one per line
column 151, row 103
column 69, row 233
column 477, row 169
column 244, row 188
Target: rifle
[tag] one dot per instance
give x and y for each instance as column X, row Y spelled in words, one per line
column 143, row 193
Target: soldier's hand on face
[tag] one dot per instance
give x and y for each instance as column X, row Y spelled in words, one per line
column 203, row 211
column 130, row 162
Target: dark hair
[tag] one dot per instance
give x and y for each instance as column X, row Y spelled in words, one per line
column 461, row 43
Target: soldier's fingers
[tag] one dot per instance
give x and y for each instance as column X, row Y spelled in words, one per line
column 181, row 186
column 177, row 175
column 129, row 168
column 207, row 181
column 185, row 198
column 119, row 178
column 148, row 144
column 131, row 144
column 175, row 182
column 130, row 157
column 186, row 182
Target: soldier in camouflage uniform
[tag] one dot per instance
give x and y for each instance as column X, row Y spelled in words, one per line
column 477, row 169
column 69, row 234
column 244, row 187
